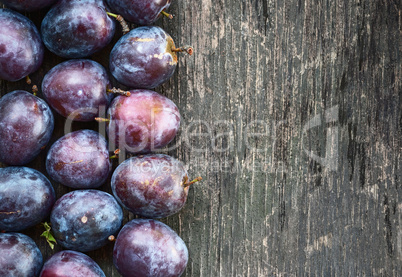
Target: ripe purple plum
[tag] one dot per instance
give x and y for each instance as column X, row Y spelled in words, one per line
column 142, row 122
column 146, row 57
column 83, row 220
column 26, row 125
column 26, row 198
column 141, row 12
column 79, row 160
column 69, row 263
column 77, row 28
column 19, row 256
column 149, row 248
column 77, row 89
column 152, row 186
column 21, row 47
column 27, row 5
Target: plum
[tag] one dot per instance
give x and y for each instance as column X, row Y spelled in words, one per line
column 83, row 220
column 27, row 5
column 26, row 198
column 152, row 186
column 69, row 263
column 21, row 47
column 19, row 256
column 149, row 248
column 143, row 122
column 26, row 125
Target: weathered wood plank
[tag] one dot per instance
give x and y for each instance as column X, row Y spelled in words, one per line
column 266, row 207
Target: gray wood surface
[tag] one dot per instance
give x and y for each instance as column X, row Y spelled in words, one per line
column 291, row 112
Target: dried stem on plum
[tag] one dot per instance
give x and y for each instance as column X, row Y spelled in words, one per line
column 187, row 184
column 123, row 23
column 168, row 15
column 116, row 154
column 188, row 49
column 119, row 91
column 101, row 119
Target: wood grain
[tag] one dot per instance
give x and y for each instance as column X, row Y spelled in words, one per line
column 263, row 70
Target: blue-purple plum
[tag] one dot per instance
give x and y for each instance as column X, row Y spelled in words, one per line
column 79, row 160
column 77, row 28
column 146, row 57
column 69, row 263
column 26, row 125
column 149, row 248
column 143, row 122
column 83, row 220
column 19, row 256
column 151, row 186
column 27, row 5
column 141, row 12
column 77, row 89
column 21, row 47
column 26, row 198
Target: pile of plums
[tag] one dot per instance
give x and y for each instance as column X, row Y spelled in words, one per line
column 138, row 122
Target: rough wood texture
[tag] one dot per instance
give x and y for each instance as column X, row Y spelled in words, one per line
column 267, row 206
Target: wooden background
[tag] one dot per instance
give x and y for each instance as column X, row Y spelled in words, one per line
column 263, row 74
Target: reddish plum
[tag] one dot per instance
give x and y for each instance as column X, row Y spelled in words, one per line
column 152, row 186
column 27, row 5
column 77, row 88
column 26, row 198
column 142, row 122
column 79, row 160
column 26, row 125
column 21, row 48
column 69, row 263
column 149, row 248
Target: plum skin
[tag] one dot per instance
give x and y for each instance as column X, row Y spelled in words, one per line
column 77, row 89
column 28, row 5
column 151, row 186
column 139, row 11
column 143, row 58
column 71, row 263
column 77, row 28
column 79, row 160
column 19, row 256
column 143, row 122
column 21, row 47
column 149, row 248
column 26, row 125
column 26, row 198
column 82, row 220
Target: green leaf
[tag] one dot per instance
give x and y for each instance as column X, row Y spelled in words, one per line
column 48, row 235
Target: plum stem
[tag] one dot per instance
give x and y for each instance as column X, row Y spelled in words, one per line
column 188, row 49
column 123, row 23
column 111, row 238
column 35, row 90
column 28, row 80
column 118, row 91
column 187, row 184
column 101, row 119
column 48, row 235
column 168, row 15
column 116, row 154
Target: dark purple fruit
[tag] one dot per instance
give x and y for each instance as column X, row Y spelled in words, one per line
column 69, row 263
column 152, row 186
column 146, row 57
column 142, row 122
column 19, row 256
column 141, row 12
column 83, row 220
column 27, row 5
column 149, row 248
column 26, row 125
column 77, row 28
column 21, row 48
column 79, row 160
column 77, row 89
column 26, row 198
